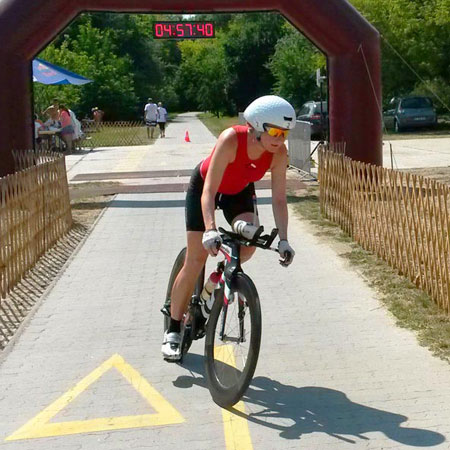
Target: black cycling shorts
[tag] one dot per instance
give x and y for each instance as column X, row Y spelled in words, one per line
column 231, row 205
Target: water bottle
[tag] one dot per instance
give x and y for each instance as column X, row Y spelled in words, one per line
column 245, row 229
column 207, row 299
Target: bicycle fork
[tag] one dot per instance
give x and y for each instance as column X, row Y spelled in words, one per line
column 230, row 269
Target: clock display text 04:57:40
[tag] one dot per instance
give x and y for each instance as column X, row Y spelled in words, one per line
column 183, row 30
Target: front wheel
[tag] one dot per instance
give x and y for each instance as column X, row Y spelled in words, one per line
column 233, row 339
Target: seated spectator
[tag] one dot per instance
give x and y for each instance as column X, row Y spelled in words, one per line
column 67, row 127
column 53, row 114
column 38, row 125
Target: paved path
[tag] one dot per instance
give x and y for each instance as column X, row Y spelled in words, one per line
column 415, row 153
column 334, row 371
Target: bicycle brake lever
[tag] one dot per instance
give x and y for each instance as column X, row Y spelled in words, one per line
column 265, row 241
column 257, row 236
column 272, row 237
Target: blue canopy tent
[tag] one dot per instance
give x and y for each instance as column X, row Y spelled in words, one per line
column 47, row 73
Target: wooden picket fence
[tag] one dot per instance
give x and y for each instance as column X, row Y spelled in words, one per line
column 402, row 218
column 34, row 213
column 115, row 134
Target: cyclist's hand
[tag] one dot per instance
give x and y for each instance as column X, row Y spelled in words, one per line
column 286, row 252
column 212, row 242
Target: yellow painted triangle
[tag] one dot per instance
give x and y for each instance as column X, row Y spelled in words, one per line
column 39, row 426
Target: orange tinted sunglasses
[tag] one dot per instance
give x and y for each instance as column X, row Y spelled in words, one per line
column 276, row 132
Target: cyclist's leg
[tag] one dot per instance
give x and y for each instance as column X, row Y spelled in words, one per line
column 182, row 289
column 185, row 282
column 196, row 254
column 242, row 206
column 195, row 259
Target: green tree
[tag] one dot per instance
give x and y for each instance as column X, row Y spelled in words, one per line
column 203, row 75
column 415, row 45
column 113, row 87
column 249, row 44
column 294, row 66
column 93, row 54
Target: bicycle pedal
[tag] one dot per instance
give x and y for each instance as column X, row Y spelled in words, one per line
column 166, row 310
column 174, row 361
column 200, row 334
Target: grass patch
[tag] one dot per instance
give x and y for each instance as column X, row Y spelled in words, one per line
column 412, row 307
column 109, row 135
column 217, row 124
column 79, row 191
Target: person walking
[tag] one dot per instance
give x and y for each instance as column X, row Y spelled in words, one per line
column 162, row 119
column 97, row 116
column 150, row 117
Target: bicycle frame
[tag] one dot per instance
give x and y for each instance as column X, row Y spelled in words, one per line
column 228, row 268
column 231, row 247
column 232, row 265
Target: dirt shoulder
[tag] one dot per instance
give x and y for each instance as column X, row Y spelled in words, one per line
column 411, row 307
column 441, row 174
column 22, row 301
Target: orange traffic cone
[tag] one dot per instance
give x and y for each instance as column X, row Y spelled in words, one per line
column 186, row 137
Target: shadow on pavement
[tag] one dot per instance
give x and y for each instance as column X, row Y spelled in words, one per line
column 164, row 203
column 313, row 409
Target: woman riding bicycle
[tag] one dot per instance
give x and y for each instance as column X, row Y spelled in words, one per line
column 225, row 180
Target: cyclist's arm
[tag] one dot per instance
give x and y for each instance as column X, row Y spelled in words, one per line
column 279, row 203
column 224, row 154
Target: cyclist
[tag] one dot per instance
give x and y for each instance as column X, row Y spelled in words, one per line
column 225, row 180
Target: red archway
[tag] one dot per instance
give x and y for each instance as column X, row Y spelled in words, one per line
column 349, row 41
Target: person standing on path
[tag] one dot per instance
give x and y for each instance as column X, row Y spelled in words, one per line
column 150, row 117
column 225, row 179
column 97, row 116
column 162, row 119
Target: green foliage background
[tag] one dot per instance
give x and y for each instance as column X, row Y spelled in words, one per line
column 253, row 54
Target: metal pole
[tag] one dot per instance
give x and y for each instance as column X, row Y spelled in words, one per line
column 321, row 110
column 392, row 155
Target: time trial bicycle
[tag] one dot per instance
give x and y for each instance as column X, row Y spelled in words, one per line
column 233, row 327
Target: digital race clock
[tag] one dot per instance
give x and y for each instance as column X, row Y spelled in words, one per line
column 183, row 30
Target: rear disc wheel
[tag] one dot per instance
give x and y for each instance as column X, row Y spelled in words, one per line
column 186, row 335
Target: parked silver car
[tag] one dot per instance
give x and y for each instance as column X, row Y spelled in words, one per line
column 410, row 112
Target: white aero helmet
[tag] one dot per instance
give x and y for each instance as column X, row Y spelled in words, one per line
column 270, row 109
